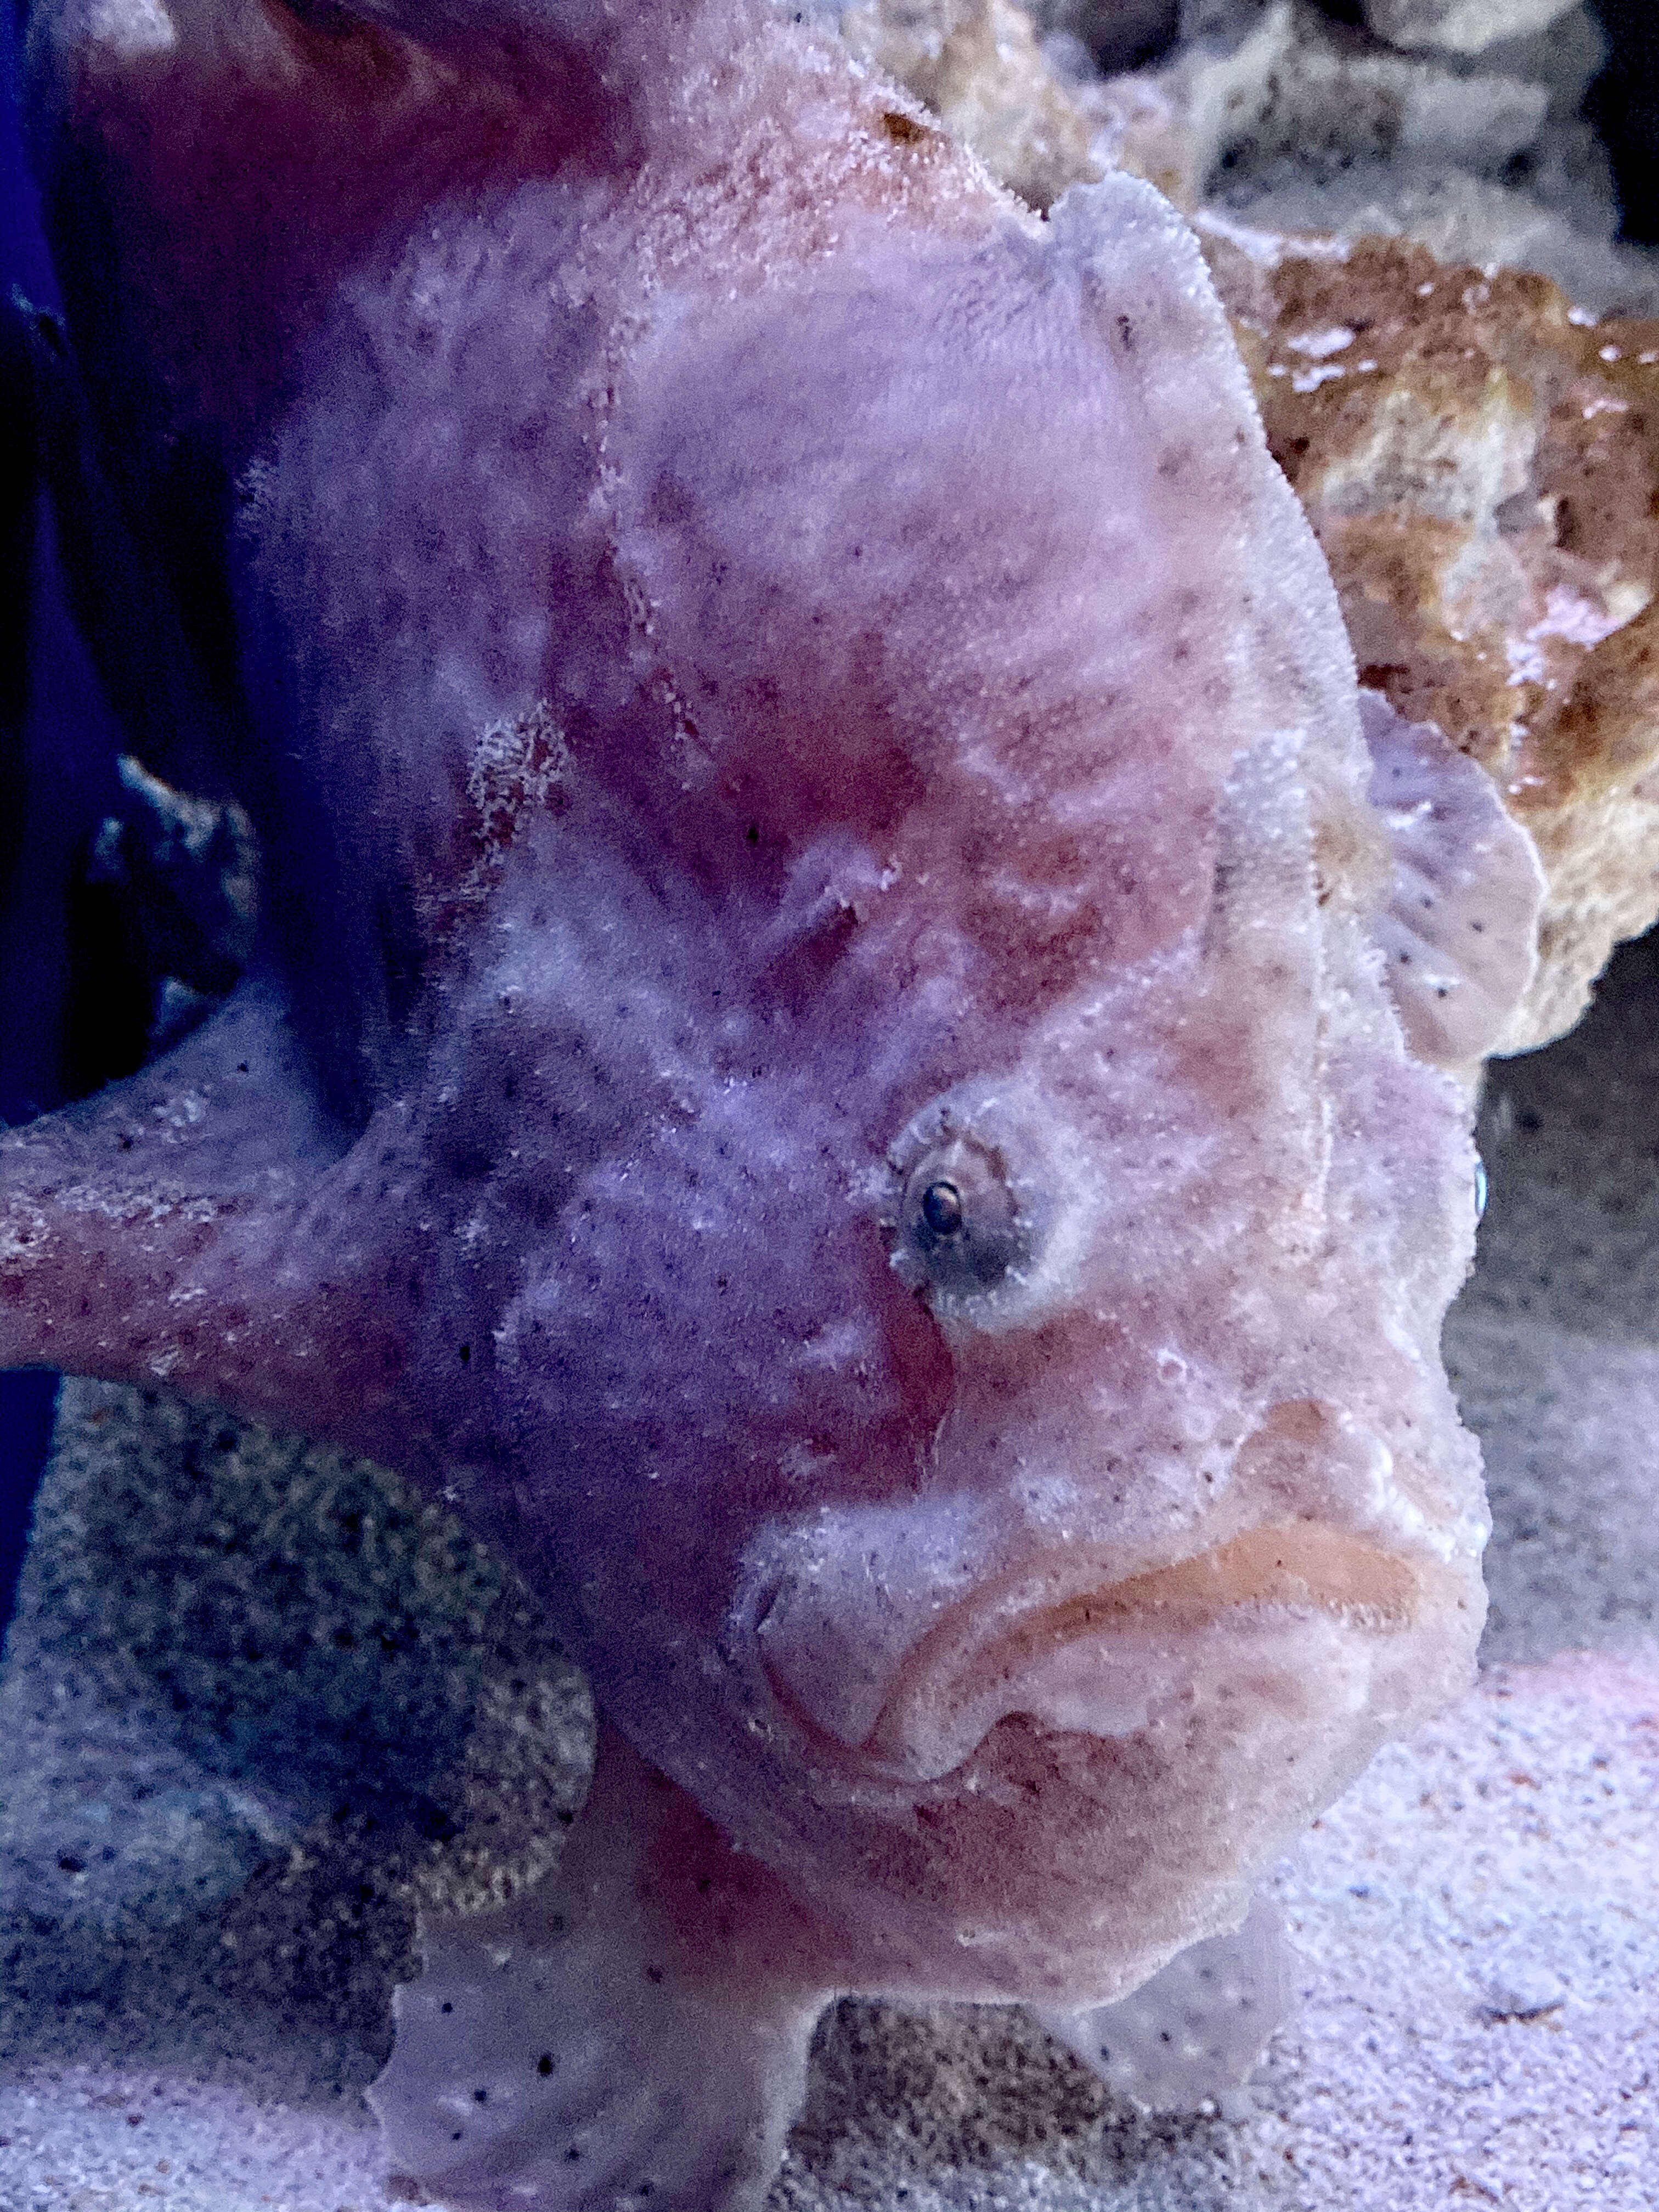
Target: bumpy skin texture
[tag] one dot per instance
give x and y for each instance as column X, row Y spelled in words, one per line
column 819, row 1064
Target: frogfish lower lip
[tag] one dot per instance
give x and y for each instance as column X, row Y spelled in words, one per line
column 1058, row 1642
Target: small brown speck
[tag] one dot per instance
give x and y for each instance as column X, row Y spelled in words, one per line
column 903, row 129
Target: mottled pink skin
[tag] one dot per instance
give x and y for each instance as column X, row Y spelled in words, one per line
column 914, row 683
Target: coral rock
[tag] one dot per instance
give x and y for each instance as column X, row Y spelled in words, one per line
column 1282, row 84
column 1481, row 464
column 1462, row 26
column 976, row 63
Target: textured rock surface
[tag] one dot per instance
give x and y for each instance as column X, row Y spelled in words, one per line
column 1295, row 123
column 1482, row 468
column 977, row 65
column 1284, row 84
column 1464, row 26
column 1289, row 118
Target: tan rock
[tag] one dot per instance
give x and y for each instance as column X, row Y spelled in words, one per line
column 1481, row 464
column 976, row 63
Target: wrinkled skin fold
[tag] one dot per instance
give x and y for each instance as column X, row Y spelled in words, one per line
column 820, row 1061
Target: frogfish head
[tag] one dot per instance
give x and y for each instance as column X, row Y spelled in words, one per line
column 1013, row 1476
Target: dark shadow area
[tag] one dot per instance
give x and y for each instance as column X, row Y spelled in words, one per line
column 1623, row 105
column 65, row 967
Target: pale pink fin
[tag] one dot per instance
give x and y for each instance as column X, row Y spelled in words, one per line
column 1459, row 929
column 1195, row 2030
column 633, row 2032
column 159, row 1231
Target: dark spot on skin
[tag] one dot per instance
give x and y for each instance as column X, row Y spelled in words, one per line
column 70, row 1864
column 544, row 2063
column 654, row 1973
column 1125, row 331
column 466, row 1355
column 753, row 833
column 445, row 2006
column 480, row 2096
column 903, row 129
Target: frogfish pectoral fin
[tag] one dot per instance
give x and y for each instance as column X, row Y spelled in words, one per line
column 158, row 1231
column 632, row 2031
column 1459, row 927
column 1197, row 2028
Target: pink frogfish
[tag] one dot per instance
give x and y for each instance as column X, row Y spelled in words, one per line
column 859, row 1045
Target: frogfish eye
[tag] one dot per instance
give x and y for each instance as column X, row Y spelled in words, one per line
column 958, row 1232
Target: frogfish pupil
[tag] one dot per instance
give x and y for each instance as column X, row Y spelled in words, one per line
column 941, row 1208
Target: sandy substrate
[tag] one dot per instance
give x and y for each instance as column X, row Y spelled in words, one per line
column 243, row 1706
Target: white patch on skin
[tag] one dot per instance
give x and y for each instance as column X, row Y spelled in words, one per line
column 838, row 1344
column 24, row 1235
column 1388, row 1508
column 131, row 27
column 184, row 1112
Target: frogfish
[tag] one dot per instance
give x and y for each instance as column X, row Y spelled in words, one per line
column 859, row 1044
